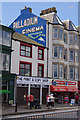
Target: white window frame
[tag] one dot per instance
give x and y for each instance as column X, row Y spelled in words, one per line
column 71, row 39
column 61, row 52
column 55, row 33
column 70, row 55
column 76, row 73
column 56, row 70
column 76, row 56
column 73, row 74
column 56, row 52
column 60, row 71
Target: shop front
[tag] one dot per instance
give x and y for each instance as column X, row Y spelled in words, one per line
column 39, row 87
column 62, row 88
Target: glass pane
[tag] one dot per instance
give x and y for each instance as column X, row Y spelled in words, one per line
column 40, row 56
column 27, row 66
column 71, row 55
column 41, row 51
column 28, row 54
column 23, row 53
column 40, row 67
column 60, row 34
column 5, row 62
column 28, row 48
column 55, row 33
column 21, row 65
column 1, row 37
column 21, row 71
column 27, row 72
column 22, row 47
column 40, row 73
column 71, row 73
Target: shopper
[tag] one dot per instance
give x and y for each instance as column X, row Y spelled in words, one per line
column 48, row 101
column 26, row 99
column 66, row 100
column 31, row 100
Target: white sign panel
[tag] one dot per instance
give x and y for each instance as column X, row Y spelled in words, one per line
column 32, row 80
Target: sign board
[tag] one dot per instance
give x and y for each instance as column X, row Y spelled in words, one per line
column 64, row 83
column 31, row 25
column 32, row 80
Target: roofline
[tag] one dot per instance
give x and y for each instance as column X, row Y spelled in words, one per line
column 63, row 26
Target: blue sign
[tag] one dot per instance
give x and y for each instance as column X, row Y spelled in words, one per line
column 31, row 25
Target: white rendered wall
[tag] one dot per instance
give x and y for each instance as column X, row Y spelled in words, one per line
column 16, row 58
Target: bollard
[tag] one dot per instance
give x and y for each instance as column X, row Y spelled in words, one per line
column 16, row 107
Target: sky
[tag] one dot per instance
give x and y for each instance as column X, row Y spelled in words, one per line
column 65, row 10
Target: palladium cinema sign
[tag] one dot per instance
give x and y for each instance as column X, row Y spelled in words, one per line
column 31, row 26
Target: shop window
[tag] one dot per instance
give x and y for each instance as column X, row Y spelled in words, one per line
column 71, row 55
column 60, row 34
column 65, row 38
column 65, row 73
column 65, row 54
column 25, row 69
column 61, row 51
column 60, row 71
column 40, row 53
column 71, row 73
column 71, row 41
column 76, row 73
column 76, row 56
column 26, row 50
column 55, row 51
column 76, row 40
column 55, row 33
column 55, row 70
column 6, row 38
column 40, row 70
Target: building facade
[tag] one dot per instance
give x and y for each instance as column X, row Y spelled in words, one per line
column 63, row 44
column 7, row 82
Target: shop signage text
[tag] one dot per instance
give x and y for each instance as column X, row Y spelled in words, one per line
column 32, row 80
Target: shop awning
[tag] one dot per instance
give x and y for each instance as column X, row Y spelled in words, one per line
column 63, row 88
column 4, row 91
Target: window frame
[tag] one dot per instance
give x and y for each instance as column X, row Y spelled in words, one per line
column 40, row 48
column 56, row 70
column 56, row 33
column 26, row 45
column 73, row 74
column 39, row 64
column 22, row 62
column 56, row 52
column 70, row 55
column 76, row 72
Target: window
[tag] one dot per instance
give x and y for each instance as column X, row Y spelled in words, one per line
column 40, row 70
column 76, row 73
column 61, row 52
column 65, row 37
column 26, row 50
column 60, row 34
column 71, row 39
column 55, row 34
column 65, row 73
column 71, row 55
column 40, row 54
column 76, row 56
column 71, row 73
column 55, row 51
column 60, row 71
column 65, row 54
column 4, row 62
column 1, row 37
column 6, row 38
column 25, row 69
column 55, row 70
column 76, row 40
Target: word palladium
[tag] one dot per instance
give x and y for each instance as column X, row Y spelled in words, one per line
column 25, row 22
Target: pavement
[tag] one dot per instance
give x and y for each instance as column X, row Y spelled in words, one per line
column 10, row 110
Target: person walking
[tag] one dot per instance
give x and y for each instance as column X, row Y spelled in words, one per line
column 31, row 100
column 26, row 99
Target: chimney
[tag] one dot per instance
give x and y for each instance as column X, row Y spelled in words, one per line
column 49, row 10
column 26, row 10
